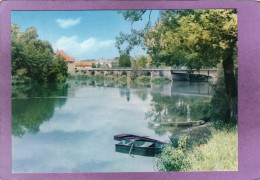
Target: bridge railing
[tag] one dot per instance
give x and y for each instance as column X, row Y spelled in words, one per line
column 154, row 68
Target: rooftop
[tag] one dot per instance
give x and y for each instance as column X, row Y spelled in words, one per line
column 65, row 55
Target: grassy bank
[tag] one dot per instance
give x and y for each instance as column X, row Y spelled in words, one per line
column 219, row 153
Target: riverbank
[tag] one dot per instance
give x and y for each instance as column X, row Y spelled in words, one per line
column 143, row 80
column 216, row 150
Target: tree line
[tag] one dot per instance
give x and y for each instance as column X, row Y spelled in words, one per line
column 192, row 38
column 34, row 58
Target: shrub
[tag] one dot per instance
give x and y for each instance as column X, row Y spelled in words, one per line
column 144, row 79
column 109, row 77
column 219, row 154
column 122, row 78
column 99, row 76
column 21, row 80
column 174, row 159
column 160, row 79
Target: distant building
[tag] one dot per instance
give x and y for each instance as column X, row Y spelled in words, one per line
column 73, row 64
column 106, row 62
column 83, row 65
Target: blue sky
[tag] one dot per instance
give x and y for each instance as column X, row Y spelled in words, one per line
column 82, row 34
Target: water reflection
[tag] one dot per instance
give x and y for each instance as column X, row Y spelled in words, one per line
column 33, row 105
column 70, row 128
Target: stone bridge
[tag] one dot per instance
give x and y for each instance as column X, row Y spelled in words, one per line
column 172, row 74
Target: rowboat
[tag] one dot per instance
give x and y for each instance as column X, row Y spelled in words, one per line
column 132, row 137
column 138, row 145
column 188, row 123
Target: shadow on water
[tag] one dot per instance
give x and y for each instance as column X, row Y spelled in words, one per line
column 32, row 105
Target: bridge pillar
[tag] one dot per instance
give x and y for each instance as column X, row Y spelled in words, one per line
column 128, row 75
column 96, row 73
column 88, row 72
column 152, row 74
column 167, row 74
column 115, row 73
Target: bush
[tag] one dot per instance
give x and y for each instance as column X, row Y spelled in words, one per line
column 144, row 79
column 21, row 80
column 219, row 154
column 99, row 76
column 174, row 159
column 160, row 79
column 109, row 77
column 122, row 78
column 133, row 76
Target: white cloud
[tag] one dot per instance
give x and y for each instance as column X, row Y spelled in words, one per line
column 81, row 49
column 65, row 23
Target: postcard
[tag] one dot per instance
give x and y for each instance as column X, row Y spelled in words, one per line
column 129, row 90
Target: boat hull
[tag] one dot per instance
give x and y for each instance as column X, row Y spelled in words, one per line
column 142, row 151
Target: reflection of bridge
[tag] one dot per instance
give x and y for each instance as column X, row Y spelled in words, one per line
column 202, row 89
column 172, row 74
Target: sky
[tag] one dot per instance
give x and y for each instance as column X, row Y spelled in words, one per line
column 81, row 34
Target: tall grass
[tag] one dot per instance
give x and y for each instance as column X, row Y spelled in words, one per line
column 220, row 153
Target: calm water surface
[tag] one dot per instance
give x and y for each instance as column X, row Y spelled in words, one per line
column 70, row 128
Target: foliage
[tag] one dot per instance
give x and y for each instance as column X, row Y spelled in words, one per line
column 99, row 76
column 93, row 65
column 122, row 78
column 114, row 64
column 20, row 80
column 109, row 77
column 144, row 79
column 34, row 58
column 220, row 153
column 160, row 80
column 174, row 159
column 124, row 61
column 142, row 61
column 195, row 39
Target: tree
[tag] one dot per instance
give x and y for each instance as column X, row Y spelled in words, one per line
column 93, row 65
column 34, row 58
column 142, row 61
column 124, row 61
column 196, row 39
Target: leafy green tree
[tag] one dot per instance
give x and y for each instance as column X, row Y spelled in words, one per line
column 114, row 64
column 58, row 69
column 124, row 61
column 196, row 39
column 142, row 61
column 93, row 65
column 34, row 58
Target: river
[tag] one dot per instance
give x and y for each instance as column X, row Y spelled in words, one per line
column 70, row 128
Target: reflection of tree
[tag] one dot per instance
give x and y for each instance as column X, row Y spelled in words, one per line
column 29, row 113
column 142, row 94
column 125, row 92
column 175, row 109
